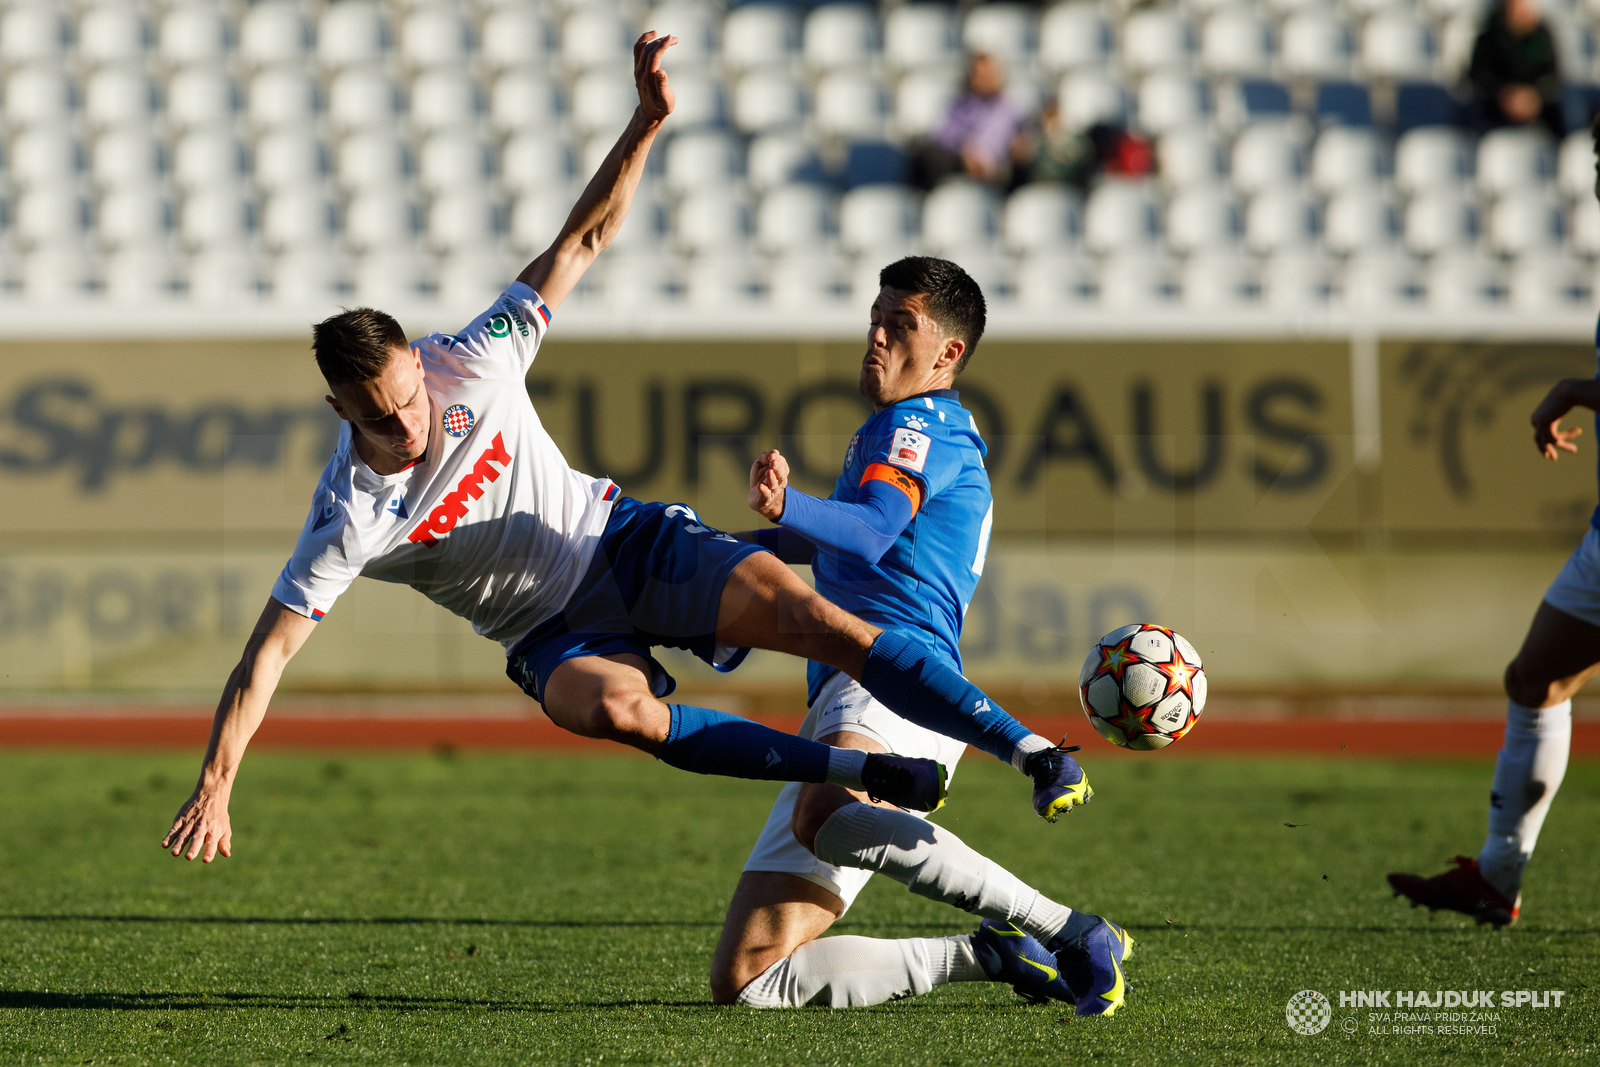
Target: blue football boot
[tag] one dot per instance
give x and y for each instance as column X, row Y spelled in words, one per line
column 1016, row 958
column 1059, row 784
column 1089, row 952
column 913, row 784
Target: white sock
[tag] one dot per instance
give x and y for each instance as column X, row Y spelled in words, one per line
column 1027, row 747
column 1526, row 776
column 844, row 767
column 933, row 862
column 854, row 972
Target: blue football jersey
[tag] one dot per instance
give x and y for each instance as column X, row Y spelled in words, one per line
column 928, row 447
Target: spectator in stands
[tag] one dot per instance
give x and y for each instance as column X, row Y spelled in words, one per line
column 979, row 133
column 1048, row 150
column 1514, row 73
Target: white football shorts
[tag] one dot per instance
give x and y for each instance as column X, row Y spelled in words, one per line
column 842, row 705
column 1576, row 589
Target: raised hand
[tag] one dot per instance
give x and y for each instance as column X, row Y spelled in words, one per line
column 769, row 477
column 201, row 826
column 656, row 99
column 1548, row 436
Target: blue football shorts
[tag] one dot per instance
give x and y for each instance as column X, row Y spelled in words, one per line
column 655, row 579
column 1576, row 589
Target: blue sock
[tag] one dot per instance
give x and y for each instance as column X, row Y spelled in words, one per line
column 712, row 742
column 919, row 684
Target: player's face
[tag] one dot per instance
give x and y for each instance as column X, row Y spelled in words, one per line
column 391, row 413
column 905, row 350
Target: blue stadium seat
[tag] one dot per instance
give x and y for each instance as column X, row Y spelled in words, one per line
column 874, row 162
column 1426, row 104
column 1263, row 99
column 1579, row 105
column 1344, row 103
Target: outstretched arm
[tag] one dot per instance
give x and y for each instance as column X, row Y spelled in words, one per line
column 1565, row 395
column 886, row 503
column 202, row 823
column 599, row 213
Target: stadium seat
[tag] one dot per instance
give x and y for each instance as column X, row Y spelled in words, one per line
column 700, row 100
column 602, row 102
column 1278, row 219
column 1155, row 39
column 765, row 100
column 362, row 98
column 1315, row 44
column 1524, row 221
column 435, row 36
column 1006, row 30
column 705, row 159
column 1296, row 280
column 30, row 32
column 1188, row 157
column 109, row 33
column 216, row 217
column 300, row 278
column 281, row 98
column 1136, row 281
column 46, row 156
column 289, row 160
column 1251, row 101
column 1575, row 166
column 1346, row 157
column 1359, row 219
column 1090, row 96
column 1439, row 219
column 118, row 96
column 878, row 219
column 470, row 277
column 1236, row 43
column 1583, row 227
column 515, row 40
column 1041, row 218
column 274, row 31
column 39, row 94
column 351, row 33
column 193, row 33
column 918, row 35
column 389, row 277
column 1170, row 100
column 1380, row 281
column 1215, row 281
column 461, row 220
column 1462, row 280
column 711, row 221
column 132, row 218
column 695, row 26
column 444, row 98
column 759, row 37
column 1548, row 283
column 840, row 36
column 373, row 159
column 199, row 97
column 988, row 269
column 1121, row 215
column 775, row 159
column 800, row 283
column 1429, row 157
column 1397, row 45
column 1420, row 104
column 522, row 101
column 1053, row 281
column 594, row 37
column 645, row 228
column 127, row 157
column 959, row 216
column 138, row 277
column 1344, row 104
column 377, row 219
column 532, row 163
column 849, row 104
column 720, row 280
column 1514, row 158
column 640, row 281
column 536, row 218
column 1074, row 35
column 224, row 277
column 453, row 159
column 1581, row 103
column 794, row 218
column 1268, row 154
column 921, row 101
column 1202, row 218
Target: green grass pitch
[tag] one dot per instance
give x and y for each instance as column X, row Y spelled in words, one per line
column 556, row 908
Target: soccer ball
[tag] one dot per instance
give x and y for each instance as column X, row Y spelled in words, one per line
column 1142, row 687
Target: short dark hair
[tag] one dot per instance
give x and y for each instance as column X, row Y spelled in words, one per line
column 955, row 302
column 356, row 344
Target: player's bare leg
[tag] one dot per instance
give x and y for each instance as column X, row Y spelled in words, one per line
column 608, row 697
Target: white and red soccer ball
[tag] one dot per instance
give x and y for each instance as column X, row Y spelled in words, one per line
column 1142, row 686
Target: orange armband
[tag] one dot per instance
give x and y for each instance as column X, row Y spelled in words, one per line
column 882, row 472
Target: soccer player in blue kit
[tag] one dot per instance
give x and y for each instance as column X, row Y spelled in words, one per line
column 900, row 543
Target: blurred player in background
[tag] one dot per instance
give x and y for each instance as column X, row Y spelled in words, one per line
column 445, row 480
column 1560, row 653
column 901, row 543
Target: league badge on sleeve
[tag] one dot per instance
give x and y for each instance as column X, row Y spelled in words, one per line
column 458, row 420
column 909, row 449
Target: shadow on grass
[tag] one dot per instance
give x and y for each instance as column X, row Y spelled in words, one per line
column 180, row 1001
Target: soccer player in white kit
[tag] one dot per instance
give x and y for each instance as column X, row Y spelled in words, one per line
column 445, row 480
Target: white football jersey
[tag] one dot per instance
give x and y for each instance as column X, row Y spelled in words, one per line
column 490, row 523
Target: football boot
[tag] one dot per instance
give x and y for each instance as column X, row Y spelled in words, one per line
column 1462, row 889
column 913, row 784
column 1091, row 962
column 1059, row 784
column 1016, row 958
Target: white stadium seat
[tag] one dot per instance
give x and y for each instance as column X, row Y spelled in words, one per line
column 1073, row 35
column 216, row 217
column 1202, row 217
column 1170, row 100
column 128, row 157
column 959, row 216
column 225, row 277
column 443, row 98
column 700, row 101
column 1575, row 166
column 878, row 219
column 272, row 32
column 1315, row 43
column 55, row 274
column 1514, row 158
column 1005, row 30
column 1136, row 281
column 1041, row 218
column 379, row 219
column 300, row 278
column 131, row 218
column 766, row 100
column 1156, row 39
column 201, row 96
column 536, row 218
column 37, row 95
column 46, row 156
column 1463, row 280
column 1051, row 281
column 1121, row 215
column 281, row 98
column 118, row 96
column 453, row 159
column 794, row 218
column 289, row 159
column 1525, row 221
column 776, row 159
column 460, row 221
column 594, row 37
column 139, row 276
column 110, row 33
column 388, row 277
column 759, row 37
column 1583, row 227
column 522, row 101
column 840, row 35
column 917, row 35
column 640, row 281
column 1346, row 157
column 645, row 227
column 712, row 221
column 1548, row 283
column 1218, row 280
column 533, row 163
column 720, row 280
column 374, row 159
column 1431, row 157
column 1089, row 96
column 1236, row 43
column 799, row 283
column 1397, row 44
column 921, row 101
column 471, row 276
column 1358, row 219
column 513, row 39
column 1296, row 280
column 1456, row 40
column 603, row 102
column 849, row 104
column 693, row 24
column 1187, row 157
column 1380, row 281
column 435, row 36
column 351, row 33
column 1439, row 219
column 1280, row 218
column 986, row 268
column 32, row 32
column 1268, row 154
column 362, row 97
column 700, row 159
column 193, row 33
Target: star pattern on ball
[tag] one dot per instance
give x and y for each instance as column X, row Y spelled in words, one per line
column 1130, row 720
column 1180, row 674
column 1115, row 659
